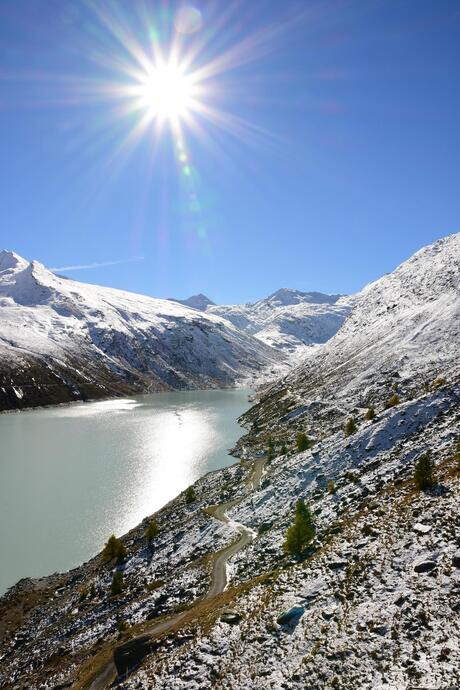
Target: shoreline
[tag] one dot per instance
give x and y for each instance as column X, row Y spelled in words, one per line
column 68, row 403
column 36, row 580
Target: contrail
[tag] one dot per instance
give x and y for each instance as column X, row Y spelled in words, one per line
column 100, row 264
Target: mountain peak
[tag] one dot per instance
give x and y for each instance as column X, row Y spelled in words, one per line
column 289, row 296
column 199, row 301
column 10, row 260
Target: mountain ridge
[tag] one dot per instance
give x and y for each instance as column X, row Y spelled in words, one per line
column 62, row 340
column 289, row 320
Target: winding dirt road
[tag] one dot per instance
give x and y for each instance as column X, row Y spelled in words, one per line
column 219, row 582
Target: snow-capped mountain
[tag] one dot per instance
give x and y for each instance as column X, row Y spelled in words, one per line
column 200, row 302
column 289, row 319
column 62, row 340
column 404, row 329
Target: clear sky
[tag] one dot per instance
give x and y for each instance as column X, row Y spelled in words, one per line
column 323, row 151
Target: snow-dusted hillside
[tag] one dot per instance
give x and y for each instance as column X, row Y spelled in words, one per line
column 289, row 319
column 403, row 331
column 62, row 340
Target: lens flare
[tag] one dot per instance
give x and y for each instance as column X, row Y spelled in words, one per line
column 188, row 20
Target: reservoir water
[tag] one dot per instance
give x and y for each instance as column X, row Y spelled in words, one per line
column 72, row 475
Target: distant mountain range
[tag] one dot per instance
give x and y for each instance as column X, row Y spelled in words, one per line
column 287, row 320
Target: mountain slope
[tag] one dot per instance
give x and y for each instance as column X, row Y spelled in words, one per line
column 404, row 331
column 289, row 319
column 61, row 340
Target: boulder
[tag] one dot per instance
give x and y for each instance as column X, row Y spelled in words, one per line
column 291, row 616
column 424, row 566
column 336, row 564
column 421, row 528
column 456, row 560
column 130, row 654
column 380, row 629
column 231, row 617
column 328, row 612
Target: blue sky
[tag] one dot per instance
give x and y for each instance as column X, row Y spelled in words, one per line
column 349, row 163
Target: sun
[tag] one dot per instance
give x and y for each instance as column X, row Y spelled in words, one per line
column 167, row 92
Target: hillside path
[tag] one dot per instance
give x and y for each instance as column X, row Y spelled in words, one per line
column 219, row 578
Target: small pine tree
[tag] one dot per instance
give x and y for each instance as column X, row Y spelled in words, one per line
column 152, row 531
column 438, row 383
column 423, row 473
column 370, row 414
column 118, row 584
column 284, row 449
column 190, row 495
column 122, row 553
column 114, row 548
column 303, row 442
column 301, row 532
column 350, row 427
column 331, row 487
column 392, row 402
column 92, row 591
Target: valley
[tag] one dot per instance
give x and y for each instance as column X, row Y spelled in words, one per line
column 371, row 600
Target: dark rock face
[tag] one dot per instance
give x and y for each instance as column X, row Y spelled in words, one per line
column 130, row 654
column 456, row 560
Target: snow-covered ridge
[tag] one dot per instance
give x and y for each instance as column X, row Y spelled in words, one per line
column 81, row 340
column 289, row 319
column 403, row 332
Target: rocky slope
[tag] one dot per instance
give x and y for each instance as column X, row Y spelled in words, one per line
column 403, row 332
column 61, row 340
column 289, row 320
column 372, row 603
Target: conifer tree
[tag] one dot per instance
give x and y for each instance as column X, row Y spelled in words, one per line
column 118, row 584
column 114, row 548
column 423, row 474
column 301, row 532
column 350, row 427
column 190, row 495
column 151, row 531
column 393, row 401
column 370, row 414
column 302, row 442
